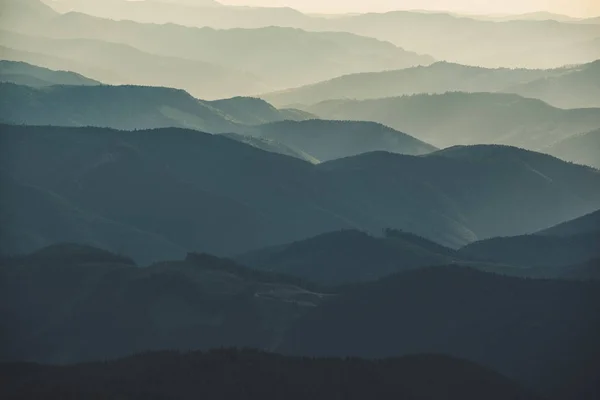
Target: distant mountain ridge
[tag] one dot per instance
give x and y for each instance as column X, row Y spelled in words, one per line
column 566, row 87
column 468, row 118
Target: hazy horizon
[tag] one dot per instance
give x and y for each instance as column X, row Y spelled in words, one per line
column 578, row 8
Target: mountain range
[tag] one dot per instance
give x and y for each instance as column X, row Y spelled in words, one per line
column 567, row 87
column 540, row 333
column 184, row 188
column 514, row 41
column 285, row 57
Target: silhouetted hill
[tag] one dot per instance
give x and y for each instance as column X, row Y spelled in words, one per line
column 347, row 257
column 582, row 149
column 131, row 107
column 589, row 223
column 78, row 295
column 328, row 140
column 468, row 118
column 438, row 78
column 116, row 63
column 209, row 193
column 26, row 74
column 536, row 250
column 543, row 333
column 577, row 87
column 253, row 375
column 284, row 57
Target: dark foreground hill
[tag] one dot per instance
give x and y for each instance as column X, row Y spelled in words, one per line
column 541, row 332
column 72, row 303
column 252, row 375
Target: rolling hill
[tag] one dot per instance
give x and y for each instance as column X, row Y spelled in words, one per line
column 468, row 118
column 566, row 87
column 581, row 148
column 349, row 257
column 26, row 74
column 440, row 77
column 328, row 140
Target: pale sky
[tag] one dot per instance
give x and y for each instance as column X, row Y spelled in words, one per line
column 576, row 8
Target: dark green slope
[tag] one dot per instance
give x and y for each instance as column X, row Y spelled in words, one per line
column 26, row 74
column 468, row 118
column 540, row 332
column 253, row 375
